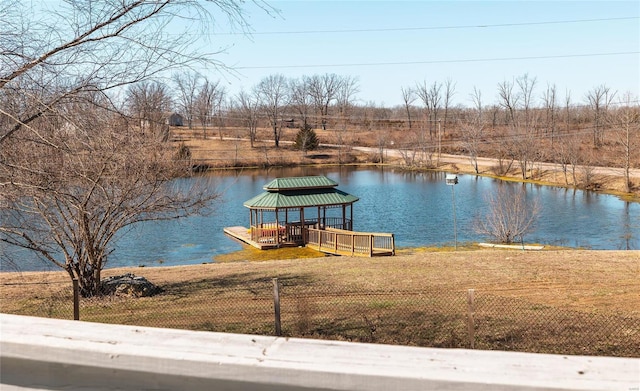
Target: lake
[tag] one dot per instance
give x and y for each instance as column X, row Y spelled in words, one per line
column 415, row 206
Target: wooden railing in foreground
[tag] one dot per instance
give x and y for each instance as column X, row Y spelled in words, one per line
column 53, row 354
column 338, row 241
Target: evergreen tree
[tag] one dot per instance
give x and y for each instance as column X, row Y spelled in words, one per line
column 306, row 139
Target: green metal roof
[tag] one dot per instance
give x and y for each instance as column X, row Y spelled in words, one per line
column 300, row 198
column 304, row 182
column 299, row 192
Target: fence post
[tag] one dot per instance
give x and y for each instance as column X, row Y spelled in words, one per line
column 370, row 245
column 276, row 306
column 76, row 300
column 470, row 322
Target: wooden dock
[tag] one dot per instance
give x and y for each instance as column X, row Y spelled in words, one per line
column 330, row 241
column 242, row 234
column 344, row 242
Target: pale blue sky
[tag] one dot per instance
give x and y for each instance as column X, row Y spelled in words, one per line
column 474, row 43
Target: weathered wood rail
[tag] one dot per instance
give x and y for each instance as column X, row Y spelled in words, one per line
column 53, row 354
column 343, row 242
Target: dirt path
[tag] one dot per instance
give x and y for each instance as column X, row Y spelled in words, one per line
column 487, row 163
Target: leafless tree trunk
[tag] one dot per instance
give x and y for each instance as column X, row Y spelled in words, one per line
column 505, row 155
column 525, row 149
column 476, row 98
column 435, row 97
column 567, row 111
column 567, row 154
column 149, row 103
column 273, row 94
column 187, row 86
column 207, row 103
column 527, row 86
column 324, row 90
column 509, row 100
column 249, row 107
column 550, row 106
column 625, row 122
column 408, row 97
column 301, row 99
column 495, row 111
column 449, row 91
column 472, row 133
column 422, row 91
column 599, row 98
column 345, row 102
column 510, row 215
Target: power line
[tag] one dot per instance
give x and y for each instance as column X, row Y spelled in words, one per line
column 439, row 61
column 455, row 27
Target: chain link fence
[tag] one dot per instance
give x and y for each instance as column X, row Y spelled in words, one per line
column 476, row 319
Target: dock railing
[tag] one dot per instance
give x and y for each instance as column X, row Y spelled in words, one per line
column 343, row 242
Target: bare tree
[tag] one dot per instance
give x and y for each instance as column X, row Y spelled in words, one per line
column 323, row 90
column 549, row 98
column 73, row 172
column 509, row 100
column 408, row 97
column 422, row 91
column 567, row 154
column 94, row 177
column 625, row 121
column 249, row 107
column 149, row 104
column 567, row 110
column 187, row 85
column 345, row 101
column 449, row 91
column 97, row 45
column 525, row 149
column 273, row 93
column 301, row 99
column 472, row 133
column 346, row 95
column 476, row 99
column 599, row 98
column 510, row 216
column 527, row 86
column 434, row 100
column 207, row 103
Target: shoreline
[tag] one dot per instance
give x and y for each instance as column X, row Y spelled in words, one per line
column 606, row 180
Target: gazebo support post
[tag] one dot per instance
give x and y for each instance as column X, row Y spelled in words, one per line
column 344, row 217
column 277, row 228
column 351, row 218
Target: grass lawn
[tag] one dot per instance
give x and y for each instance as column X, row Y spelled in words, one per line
column 547, row 301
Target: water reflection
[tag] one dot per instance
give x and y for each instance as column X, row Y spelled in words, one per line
column 416, row 206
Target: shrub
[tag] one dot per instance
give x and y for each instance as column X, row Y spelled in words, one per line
column 306, row 139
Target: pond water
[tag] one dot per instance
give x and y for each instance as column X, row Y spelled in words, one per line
column 416, row 207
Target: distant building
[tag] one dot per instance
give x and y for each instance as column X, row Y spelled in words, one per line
column 289, row 123
column 175, row 119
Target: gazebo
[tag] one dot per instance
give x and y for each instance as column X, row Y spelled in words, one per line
column 283, row 214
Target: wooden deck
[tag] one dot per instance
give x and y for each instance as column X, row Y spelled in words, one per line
column 330, row 241
column 242, row 234
column 343, row 242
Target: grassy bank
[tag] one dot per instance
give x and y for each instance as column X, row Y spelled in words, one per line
column 568, row 301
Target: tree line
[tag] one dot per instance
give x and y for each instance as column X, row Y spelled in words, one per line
column 524, row 124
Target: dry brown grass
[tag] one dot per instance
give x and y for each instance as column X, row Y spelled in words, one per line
column 600, row 281
column 567, row 301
